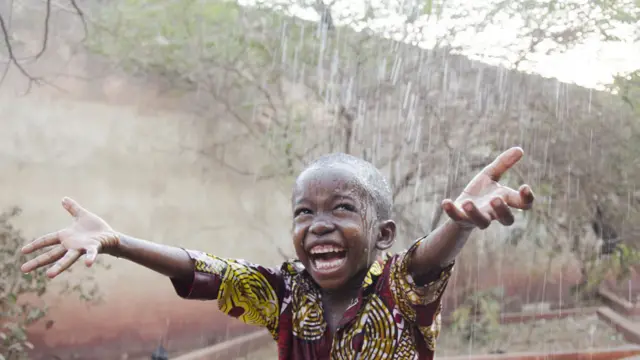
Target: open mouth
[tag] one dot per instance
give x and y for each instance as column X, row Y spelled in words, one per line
column 327, row 258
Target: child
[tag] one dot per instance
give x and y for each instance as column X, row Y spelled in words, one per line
column 343, row 298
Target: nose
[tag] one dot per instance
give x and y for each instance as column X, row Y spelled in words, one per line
column 321, row 225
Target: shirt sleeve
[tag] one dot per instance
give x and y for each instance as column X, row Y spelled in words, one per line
column 419, row 304
column 249, row 292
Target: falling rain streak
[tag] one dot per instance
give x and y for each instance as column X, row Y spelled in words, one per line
column 430, row 119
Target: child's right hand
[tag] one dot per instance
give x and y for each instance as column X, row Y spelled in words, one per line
column 88, row 234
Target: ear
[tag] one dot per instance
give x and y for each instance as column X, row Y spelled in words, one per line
column 386, row 234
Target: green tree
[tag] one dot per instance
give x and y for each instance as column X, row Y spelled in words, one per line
column 627, row 86
column 552, row 26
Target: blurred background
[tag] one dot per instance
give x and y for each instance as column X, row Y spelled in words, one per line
column 185, row 122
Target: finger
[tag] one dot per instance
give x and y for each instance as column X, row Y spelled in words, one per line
column 503, row 162
column 521, row 199
column 63, row 264
column 73, row 207
column 475, row 215
column 527, row 196
column 453, row 211
column 41, row 242
column 44, row 259
column 90, row 256
column 502, row 211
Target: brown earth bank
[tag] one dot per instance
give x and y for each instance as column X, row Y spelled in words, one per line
column 133, row 333
column 520, row 285
column 137, row 344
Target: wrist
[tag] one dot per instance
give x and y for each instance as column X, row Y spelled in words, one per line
column 461, row 226
column 113, row 246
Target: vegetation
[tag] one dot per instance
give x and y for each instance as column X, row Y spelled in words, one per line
column 21, row 295
column 477, row 319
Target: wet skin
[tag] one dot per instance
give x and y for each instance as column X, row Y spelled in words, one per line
column 332, row 210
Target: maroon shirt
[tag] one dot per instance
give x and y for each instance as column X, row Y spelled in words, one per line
column 392, row 318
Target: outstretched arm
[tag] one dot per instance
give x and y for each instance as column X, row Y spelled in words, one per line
column 482, row 201
column 166, row 260
column 249, row 292
column 89, row 235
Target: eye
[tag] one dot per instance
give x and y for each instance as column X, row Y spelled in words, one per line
column 301, row 211
column 344, row 206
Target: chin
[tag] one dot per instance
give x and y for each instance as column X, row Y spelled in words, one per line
column 330, row 284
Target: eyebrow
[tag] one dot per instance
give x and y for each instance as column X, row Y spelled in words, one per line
column 333, row 197
column 343, row 197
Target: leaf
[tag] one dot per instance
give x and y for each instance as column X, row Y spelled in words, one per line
column 428, row 7
column 35, row 314
column 12, row 298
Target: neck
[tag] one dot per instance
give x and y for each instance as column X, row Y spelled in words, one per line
column 348, row 291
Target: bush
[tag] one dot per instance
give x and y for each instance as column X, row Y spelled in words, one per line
column 478, row 318
column 18, row 310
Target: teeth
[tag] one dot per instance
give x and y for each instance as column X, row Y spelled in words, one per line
column 328, row 264
column 326, row 249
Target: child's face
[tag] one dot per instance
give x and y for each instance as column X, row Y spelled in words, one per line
column 336, row 232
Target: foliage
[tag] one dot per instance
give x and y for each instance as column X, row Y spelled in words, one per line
column 627, row 86
column 552, row 26
column 617, row 266
column 21, row 304
column 477, row 319
column 157, row 36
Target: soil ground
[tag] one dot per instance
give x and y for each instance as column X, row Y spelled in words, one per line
column 573, row 333
column 267, row 353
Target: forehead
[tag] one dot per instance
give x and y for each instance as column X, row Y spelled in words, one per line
column 335, row 179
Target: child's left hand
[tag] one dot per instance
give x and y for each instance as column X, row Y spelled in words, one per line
column 484, row 200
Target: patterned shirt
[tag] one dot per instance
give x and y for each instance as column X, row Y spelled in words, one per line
column 392, row 318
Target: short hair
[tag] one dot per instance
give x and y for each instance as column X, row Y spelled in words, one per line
column 371, row 179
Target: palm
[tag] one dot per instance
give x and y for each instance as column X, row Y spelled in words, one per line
column 484, row 199
column 88, row 234
column 479, row 187
column 88, row 225
column 85, row 232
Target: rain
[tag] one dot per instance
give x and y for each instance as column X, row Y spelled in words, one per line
column 187, row 123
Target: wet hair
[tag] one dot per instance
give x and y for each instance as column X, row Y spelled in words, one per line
column 368, row 176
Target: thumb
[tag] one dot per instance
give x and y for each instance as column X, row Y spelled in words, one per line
column 73, row 207
column 90, row 256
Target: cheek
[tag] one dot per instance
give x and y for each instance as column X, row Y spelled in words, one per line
column 298, row 233
column 354, row 229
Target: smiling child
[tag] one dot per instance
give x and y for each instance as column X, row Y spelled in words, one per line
column 344, row 297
